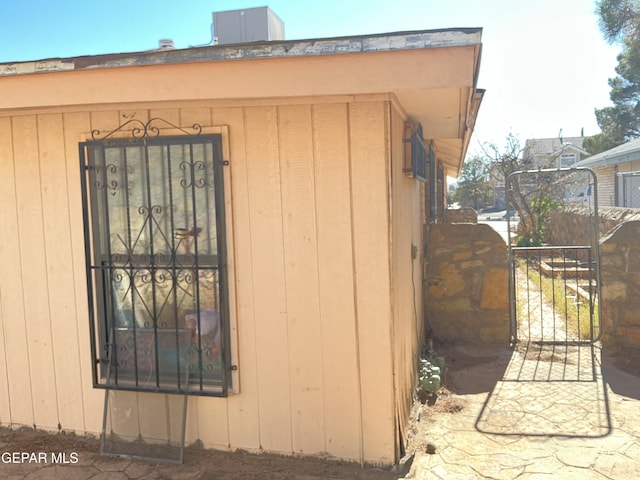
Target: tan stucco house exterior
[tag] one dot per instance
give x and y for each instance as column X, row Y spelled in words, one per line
column 292, row 252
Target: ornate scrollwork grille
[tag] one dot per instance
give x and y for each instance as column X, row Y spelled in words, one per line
column 155, row 249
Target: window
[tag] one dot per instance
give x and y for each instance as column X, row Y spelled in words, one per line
column 416, row 156
column 566, row 160
column 155, row 249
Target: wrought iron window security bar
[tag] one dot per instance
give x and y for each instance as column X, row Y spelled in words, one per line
column 156, row 259
column 417, row 155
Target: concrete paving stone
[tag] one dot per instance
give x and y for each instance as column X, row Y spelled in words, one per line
column 110, row 476
column 491, row 463
column 440, row 472
column 174, row 472
column 496, row 471
column 67, row 473
column 87, row 460
column 605, row 463
column 633, row 451
column 469, row 446
column 502, row 440
column 530, row 453
column 18, row 468
column 453, row 455
column 567, row 473
column 625, row 470
column 139, row 469
column 544, row 465
column 184, row 474
column 498, row 421
column 582, row 457
column 615, row 442
column 111, row 464
column 541, row 476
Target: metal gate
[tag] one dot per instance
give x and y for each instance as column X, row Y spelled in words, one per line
column 553, row 280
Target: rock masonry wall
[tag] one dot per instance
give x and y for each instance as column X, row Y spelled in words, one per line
column 620, row 290
column 466, row 284
column 461, row 215
column 570, row 226
column 619, row 267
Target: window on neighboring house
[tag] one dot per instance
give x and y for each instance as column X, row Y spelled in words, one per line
column 155, row 248
column 567, row 160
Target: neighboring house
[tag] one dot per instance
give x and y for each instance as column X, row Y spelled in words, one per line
column 618, row 173
column 540, row 153
column 242, row 224
column 553, row 152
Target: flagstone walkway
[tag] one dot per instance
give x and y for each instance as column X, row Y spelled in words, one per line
column 552, row 412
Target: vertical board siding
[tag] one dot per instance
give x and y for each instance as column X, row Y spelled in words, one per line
column 606, row 186
column 59, row 268
column 340, row 381
column 370, row 203
column 407, row 232
column 16, row 401
column 269, row 282
column 244, row 422
column 309, row 209
column 37, row 315
column 301, row 277
column 75, row 125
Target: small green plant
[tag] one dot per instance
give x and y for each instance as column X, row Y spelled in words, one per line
column 556, row 292
column 527, row 242
column 534, row 219
column 431, row 371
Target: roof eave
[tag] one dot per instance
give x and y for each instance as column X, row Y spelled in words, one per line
column 455, row 37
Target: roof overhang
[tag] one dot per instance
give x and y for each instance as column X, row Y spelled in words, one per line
column 627, row 152
column 567, row 147
column 433, row 74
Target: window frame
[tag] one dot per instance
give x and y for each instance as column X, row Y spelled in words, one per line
column 415, row 156
column 218, row 139
column 567, row 156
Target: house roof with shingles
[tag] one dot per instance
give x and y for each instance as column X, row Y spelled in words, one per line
column 627, row 152
column 553, row 146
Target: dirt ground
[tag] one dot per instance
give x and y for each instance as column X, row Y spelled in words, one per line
column 198, row 463
column 205, row 464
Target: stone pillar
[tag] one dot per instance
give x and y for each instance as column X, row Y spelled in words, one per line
column 620, row 288
column 467, row 284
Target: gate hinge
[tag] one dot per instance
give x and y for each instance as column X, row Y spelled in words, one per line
column 224, row 162
column 233, row 367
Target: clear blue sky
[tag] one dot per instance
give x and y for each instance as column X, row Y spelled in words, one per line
column 544, row 63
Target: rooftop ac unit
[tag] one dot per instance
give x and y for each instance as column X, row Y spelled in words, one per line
column 247, row 25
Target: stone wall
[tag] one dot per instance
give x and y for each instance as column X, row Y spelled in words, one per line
column 461, row 215
column 619, row 266
column 620, row 291
column 466, row 284
column 572, row 226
